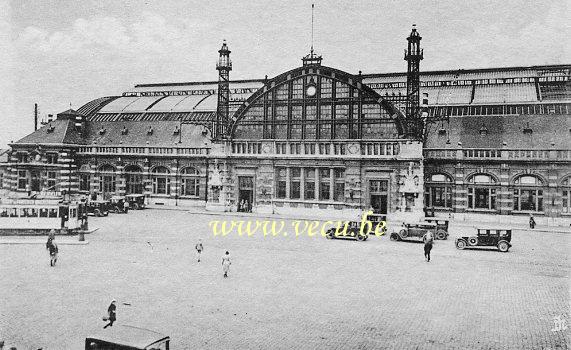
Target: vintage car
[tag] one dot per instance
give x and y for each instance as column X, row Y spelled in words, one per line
column 117, row 205
column 376, row 219
column 413, row 231
column 124, row 337
column 136, row 201
column 487, row 237
column 98, row 208
column 353, row 231
column 441, row 226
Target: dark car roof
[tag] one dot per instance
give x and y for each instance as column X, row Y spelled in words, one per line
column 135, row 337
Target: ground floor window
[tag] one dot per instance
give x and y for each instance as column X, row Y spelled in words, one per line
column 528, row 199
column 566, row 196
column 339, row 190
column 190, row 187
column 51, row 180
column 309, row 184
column 482, row 198
column 281, row 182
column 161, row 185
column 439, row 196
column 324, row 184
column 295, row 183
column 109, row 184
column 22, row 179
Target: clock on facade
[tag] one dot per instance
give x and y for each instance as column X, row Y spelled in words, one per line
column 311, row 90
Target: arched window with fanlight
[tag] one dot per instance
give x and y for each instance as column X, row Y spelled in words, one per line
column 108, row 180
column 161, row 180
column 134, row 179
column 527, row 194
column 438, row 193
column 190, row 182
column 566, row 195
column 482, row 190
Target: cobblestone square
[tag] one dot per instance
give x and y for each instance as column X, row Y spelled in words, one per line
column 285, row 292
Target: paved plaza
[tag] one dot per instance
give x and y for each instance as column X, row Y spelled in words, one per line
column 285, row 292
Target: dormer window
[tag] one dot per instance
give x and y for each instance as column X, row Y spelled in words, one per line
column 50, row 128
column 176, row 130
column 150, row 131
column 125, row 131
column 483, row 130
column 102, row 131
column 527, row 130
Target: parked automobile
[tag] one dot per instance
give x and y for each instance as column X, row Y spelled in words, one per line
column 117, row 204
column 487, row 237
column 136, row 201
column 441, row 226
column 98, row 208
column 413, row 231
column 353, row 231
column 123, row 337
column 376, row 220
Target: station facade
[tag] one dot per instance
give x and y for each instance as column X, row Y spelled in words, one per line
column 316, row 139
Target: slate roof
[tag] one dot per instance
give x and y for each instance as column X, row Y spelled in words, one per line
column 59, row 131
column 111, row 133
column 548, row 131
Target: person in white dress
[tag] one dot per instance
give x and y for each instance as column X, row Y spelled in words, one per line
column 226, row 263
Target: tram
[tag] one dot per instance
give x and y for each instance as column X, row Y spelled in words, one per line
column 40, row 217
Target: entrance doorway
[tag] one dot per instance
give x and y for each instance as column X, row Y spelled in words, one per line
column 245, row 193
column 378, row 191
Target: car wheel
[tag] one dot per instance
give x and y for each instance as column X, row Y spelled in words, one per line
column 329, row 235
column 503, row 246
column 441, row 235
column 473, row 240
column 394, row 236
column 361, row 237
column 136, row 206
column 97, row 212
column 460, row 244
column 403, row 232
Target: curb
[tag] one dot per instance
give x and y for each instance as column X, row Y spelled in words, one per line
column 3, row 241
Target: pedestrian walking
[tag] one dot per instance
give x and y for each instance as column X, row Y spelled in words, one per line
column 531, row 222
column 111, row 314
column 199, row 249
column 52, row 247
column 428, row 238
column 226, row 263
column 126, row 206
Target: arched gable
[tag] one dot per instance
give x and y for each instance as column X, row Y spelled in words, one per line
column 316, row 102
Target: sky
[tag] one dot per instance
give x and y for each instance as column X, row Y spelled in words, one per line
column 62, row 53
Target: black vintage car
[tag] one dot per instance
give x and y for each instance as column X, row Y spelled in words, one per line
column 487, row 237
column 97, row 208
column 118, row 205
column 353, row 231
column 136, row 201
column 441, row 226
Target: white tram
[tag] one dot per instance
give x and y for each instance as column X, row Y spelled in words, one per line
column 39, row 218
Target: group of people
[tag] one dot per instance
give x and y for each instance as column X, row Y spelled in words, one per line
column 244, row 206
column 225, row 258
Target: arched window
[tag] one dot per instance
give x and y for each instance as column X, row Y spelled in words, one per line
column 134, row 179
column 161, row 180
column 438, row 192
column 482, row 192
column 108, row 180
column 190, row 182
column 528, row 194
column 566, row 195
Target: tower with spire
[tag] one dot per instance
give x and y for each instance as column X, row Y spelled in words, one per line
column 223, row 66
column 413, row 55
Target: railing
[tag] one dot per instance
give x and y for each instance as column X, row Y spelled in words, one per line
column 153, row 151
column 325, row 148
column 497, row 153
